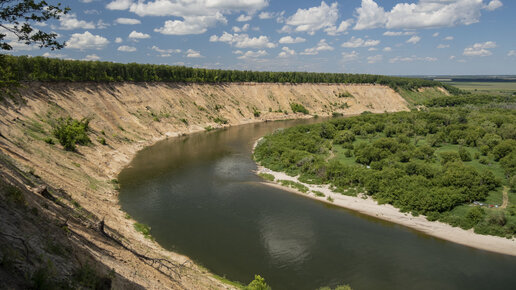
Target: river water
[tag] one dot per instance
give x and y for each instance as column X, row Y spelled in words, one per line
column 201, row 198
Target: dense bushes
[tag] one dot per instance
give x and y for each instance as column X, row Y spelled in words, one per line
column 418, row 161
column 70, row 132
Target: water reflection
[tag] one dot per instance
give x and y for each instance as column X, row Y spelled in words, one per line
column 287, row 238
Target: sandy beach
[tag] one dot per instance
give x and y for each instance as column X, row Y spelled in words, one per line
column 368, row 206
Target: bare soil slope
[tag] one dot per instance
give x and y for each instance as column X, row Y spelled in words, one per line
column 80, row 206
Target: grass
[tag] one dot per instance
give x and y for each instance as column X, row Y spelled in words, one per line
column 267, row 176
column 295, row 185
column 418, row 98
column 144, row 230
column 318, row 193
column 498, row 88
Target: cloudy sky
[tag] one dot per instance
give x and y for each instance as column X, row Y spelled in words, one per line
column 359, row 36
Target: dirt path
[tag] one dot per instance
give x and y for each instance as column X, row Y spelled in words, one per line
column 505, row 197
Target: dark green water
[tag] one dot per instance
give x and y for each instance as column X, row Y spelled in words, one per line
column 201, row 198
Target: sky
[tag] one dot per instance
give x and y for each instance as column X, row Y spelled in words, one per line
column 419, row 37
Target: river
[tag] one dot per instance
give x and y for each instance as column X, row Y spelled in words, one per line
column 201, row 198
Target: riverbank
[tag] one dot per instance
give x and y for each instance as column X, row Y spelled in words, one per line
column 368, row 206
column 125, row 118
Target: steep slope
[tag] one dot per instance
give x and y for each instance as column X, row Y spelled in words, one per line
column 81, row 197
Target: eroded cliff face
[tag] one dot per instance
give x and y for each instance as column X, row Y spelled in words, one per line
column 130, row 116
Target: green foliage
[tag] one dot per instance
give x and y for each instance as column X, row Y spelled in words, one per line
column 70, row 132
column 209, row 128
column 20, row 15
column 102, row 140
column 143, row 229
column 318, row 193
column 49, row 140
column 390, row 158
column 340, row 287
column 267, row 176
column 295, row 185
column 25, row 68
column 220, row 120
column 258, row 284
column 184, row 121
column 464, row 154
column 298, row 108
column 345, row 95
column 256, row 113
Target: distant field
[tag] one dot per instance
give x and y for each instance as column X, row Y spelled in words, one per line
column 505, row 88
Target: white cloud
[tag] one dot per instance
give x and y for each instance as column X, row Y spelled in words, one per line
column 494, row 4
column 314, row 18
column 243, row 40
column 387, row 48
column 423, row 14
column 92, row 57
column 181, row 8
column 244, row 28
column 289, row 39
column 480, row 49
column 128, row 21
column 70, row 22
column 126, row 48
column 138, row 35
column 412, row 59
column 165, row 52
column 359, row 42
column 398, row 33
column 193, row 54
column 266, row 15
column 92, row 11
column 191, row 24
column 119, row 4
column 349, row 56
column 435, row 34
column 244, row 18
column 511, row 53
column 443, row 46
column 374, row 58
column 448, row 38
column 414, row 39
column 55, row 55
column 197, row 15
column 321, row 46
column 286, row 52
column 118, row 40
column 86, row 40
column 344, row 25
column 252, row 54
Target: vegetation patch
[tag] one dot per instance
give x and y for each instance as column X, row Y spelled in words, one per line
column 448, row 163
column 295, row 185
column 144, row 230
column 70, row 132
column 267, row 176
column 298, row 108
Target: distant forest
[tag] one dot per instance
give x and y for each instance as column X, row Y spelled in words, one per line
column 24, row 68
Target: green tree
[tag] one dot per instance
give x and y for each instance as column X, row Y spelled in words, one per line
column 258, row 284
column 17, row 17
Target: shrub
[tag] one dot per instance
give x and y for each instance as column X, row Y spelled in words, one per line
column 258, row 284
column 70, row 132
column 464, row 154
column 220, row 120
column 298, row 108
column 256, row 113
column 49, row 140
column 102, row 140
